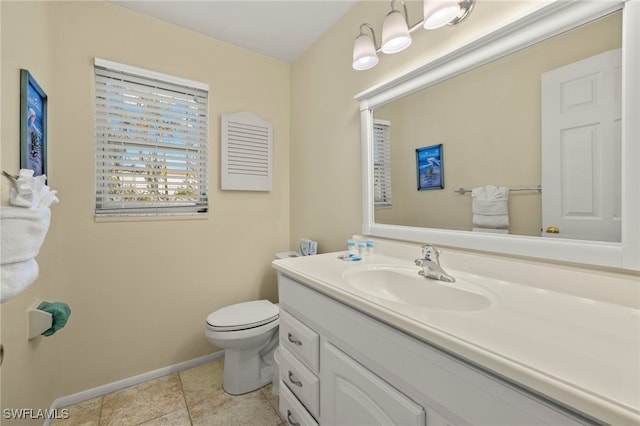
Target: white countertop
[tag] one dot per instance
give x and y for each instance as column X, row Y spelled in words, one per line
column 581, row 352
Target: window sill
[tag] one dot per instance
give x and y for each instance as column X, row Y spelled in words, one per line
column 150, row 217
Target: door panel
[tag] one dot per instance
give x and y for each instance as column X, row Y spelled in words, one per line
column 356, row 396
column 581, row 162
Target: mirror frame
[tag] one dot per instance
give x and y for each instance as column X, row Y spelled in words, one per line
column 539, row 24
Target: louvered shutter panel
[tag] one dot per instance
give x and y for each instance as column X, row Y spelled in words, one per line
column 151, row 142
column 381, row 163
column 247, row 146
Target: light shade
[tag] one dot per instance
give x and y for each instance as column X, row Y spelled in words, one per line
column 364, row 53
column 438, row 13
column 395, row 33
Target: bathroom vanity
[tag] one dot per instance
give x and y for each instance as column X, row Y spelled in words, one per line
column 487, row 349
column 511, row 341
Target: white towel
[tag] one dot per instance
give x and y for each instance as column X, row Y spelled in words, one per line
column 490, row 207
column 31, row 191
column 15, row 277
column 22, row 232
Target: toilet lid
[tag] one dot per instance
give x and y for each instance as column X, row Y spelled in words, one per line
column 244, row 315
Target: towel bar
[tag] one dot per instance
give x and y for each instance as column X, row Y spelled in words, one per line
column 10, row 176
column 538, row 188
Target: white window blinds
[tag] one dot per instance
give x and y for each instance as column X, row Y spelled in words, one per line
column 381, row 162
column 151, row 142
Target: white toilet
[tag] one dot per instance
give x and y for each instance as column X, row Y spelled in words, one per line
column 248, row 333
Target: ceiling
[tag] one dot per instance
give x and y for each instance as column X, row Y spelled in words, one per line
column 280, row 29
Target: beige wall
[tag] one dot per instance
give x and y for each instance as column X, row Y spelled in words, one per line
column 489, row 123
column 27, row 378
column 139, row 291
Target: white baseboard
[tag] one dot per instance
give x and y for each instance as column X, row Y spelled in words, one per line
column 131, row 381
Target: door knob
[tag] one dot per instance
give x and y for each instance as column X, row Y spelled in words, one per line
column 552, row 230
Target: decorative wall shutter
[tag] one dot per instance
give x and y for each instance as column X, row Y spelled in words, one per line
column 247, row 153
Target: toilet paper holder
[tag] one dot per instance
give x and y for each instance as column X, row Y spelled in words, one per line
column 39, row 321
column 47, row 318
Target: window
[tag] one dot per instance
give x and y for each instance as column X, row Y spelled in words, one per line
column 381, row 163
column 151, row 142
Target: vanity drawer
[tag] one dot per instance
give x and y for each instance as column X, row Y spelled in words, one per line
column 292, row 411
column 301, row 381
column 300, row 340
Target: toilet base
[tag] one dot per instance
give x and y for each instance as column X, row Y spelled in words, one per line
column 245, row 371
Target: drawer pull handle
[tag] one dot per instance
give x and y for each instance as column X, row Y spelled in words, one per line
column 294, row 381
column 291, row 422
column 293, row 340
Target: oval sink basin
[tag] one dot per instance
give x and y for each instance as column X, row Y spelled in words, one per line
column 403, row 285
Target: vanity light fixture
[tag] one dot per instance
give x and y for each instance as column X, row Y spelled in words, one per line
column 364, row 50
column 396, row 31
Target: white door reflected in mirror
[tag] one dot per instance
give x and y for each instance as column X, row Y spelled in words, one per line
column 581, row 117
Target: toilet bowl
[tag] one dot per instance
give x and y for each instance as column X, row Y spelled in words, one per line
column 248, row 333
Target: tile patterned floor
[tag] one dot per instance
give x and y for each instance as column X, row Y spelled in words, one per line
column 192, row 397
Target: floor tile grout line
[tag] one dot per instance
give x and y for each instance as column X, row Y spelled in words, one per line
column 139, row 393
column 274, row 409
column 184, row 397
column 263, row 391
column 100, row 411
column 186, row 407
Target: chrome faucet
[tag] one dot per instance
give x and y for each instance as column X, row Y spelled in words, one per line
column 430, row 264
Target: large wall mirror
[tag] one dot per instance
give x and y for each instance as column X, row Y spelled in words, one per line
column 544, row 107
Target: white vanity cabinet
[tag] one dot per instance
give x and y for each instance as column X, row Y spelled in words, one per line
column 353, row 395
column 299, row 366
column 370, row 373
